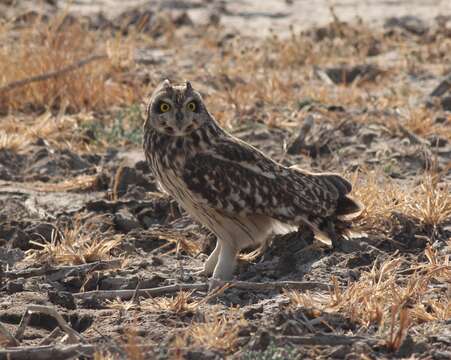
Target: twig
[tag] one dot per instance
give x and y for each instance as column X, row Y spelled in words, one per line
column 54, row 352
column 170, row 289
column 74, row 336
column 53, row 335
column 128, row 294
column 11, row 339
column 56, row 273
column 53, row 74
column 326, row 340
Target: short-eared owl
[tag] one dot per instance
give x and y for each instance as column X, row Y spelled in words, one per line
column 232, row 188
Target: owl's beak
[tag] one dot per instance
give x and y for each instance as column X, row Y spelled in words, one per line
column 179, row 118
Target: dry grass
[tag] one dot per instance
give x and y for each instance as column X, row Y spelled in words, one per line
column 73, row 246
column 371, row 299
column 392, row 292
column 429, row 202
column 46, row 47
column 219, row 332
column 179, row 304
column 58, row 131
column 13, row 142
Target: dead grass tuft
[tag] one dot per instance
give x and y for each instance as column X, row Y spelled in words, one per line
column 179, row 304
column 430, row 202
column 218, row 332
column 73, row 246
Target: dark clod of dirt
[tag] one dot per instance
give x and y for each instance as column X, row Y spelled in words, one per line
column 410, row 23
column 127, row 177
column 125, row 221
column 443, row 87
column 347, row 75
column 446, row 103
column 14, row 287
column 62, row 298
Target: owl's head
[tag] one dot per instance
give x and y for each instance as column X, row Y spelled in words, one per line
column 176, row 110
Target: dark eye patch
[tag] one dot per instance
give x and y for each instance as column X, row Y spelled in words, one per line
column 156, row 107
column 197, row 105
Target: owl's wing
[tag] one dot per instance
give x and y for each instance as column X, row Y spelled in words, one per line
column 235, row 178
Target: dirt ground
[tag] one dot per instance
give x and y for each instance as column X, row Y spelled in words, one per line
column 358, row 88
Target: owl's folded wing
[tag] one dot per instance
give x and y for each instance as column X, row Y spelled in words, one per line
column 237, row 179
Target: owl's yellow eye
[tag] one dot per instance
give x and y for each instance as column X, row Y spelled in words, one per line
column 164, row 107
column 191, row 106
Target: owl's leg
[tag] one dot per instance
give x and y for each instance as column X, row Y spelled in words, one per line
column 226, row 261
column 211, row 262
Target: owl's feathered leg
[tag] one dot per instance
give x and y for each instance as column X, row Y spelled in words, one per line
column 211, row 262
column 226, row 261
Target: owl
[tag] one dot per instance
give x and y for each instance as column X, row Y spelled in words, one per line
column 229, row 186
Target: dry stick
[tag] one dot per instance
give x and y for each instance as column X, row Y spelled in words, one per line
column 11, row 339
column 170, row 289
column 53, row 74
column 60, row 272
column 74, row 336
column 54, row 352
column 53, row 335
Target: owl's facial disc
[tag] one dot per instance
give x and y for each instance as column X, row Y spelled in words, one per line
column 176, row 110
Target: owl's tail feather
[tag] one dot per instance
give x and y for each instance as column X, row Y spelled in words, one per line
column 332, row 230
column 347, row 207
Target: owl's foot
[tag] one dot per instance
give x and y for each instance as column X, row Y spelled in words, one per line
column 214, row 284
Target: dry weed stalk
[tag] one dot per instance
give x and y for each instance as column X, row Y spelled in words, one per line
column 181, row 242
column 74, row 246
column 81, row 182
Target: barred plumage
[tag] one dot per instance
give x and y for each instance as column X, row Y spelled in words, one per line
column 229, row 186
